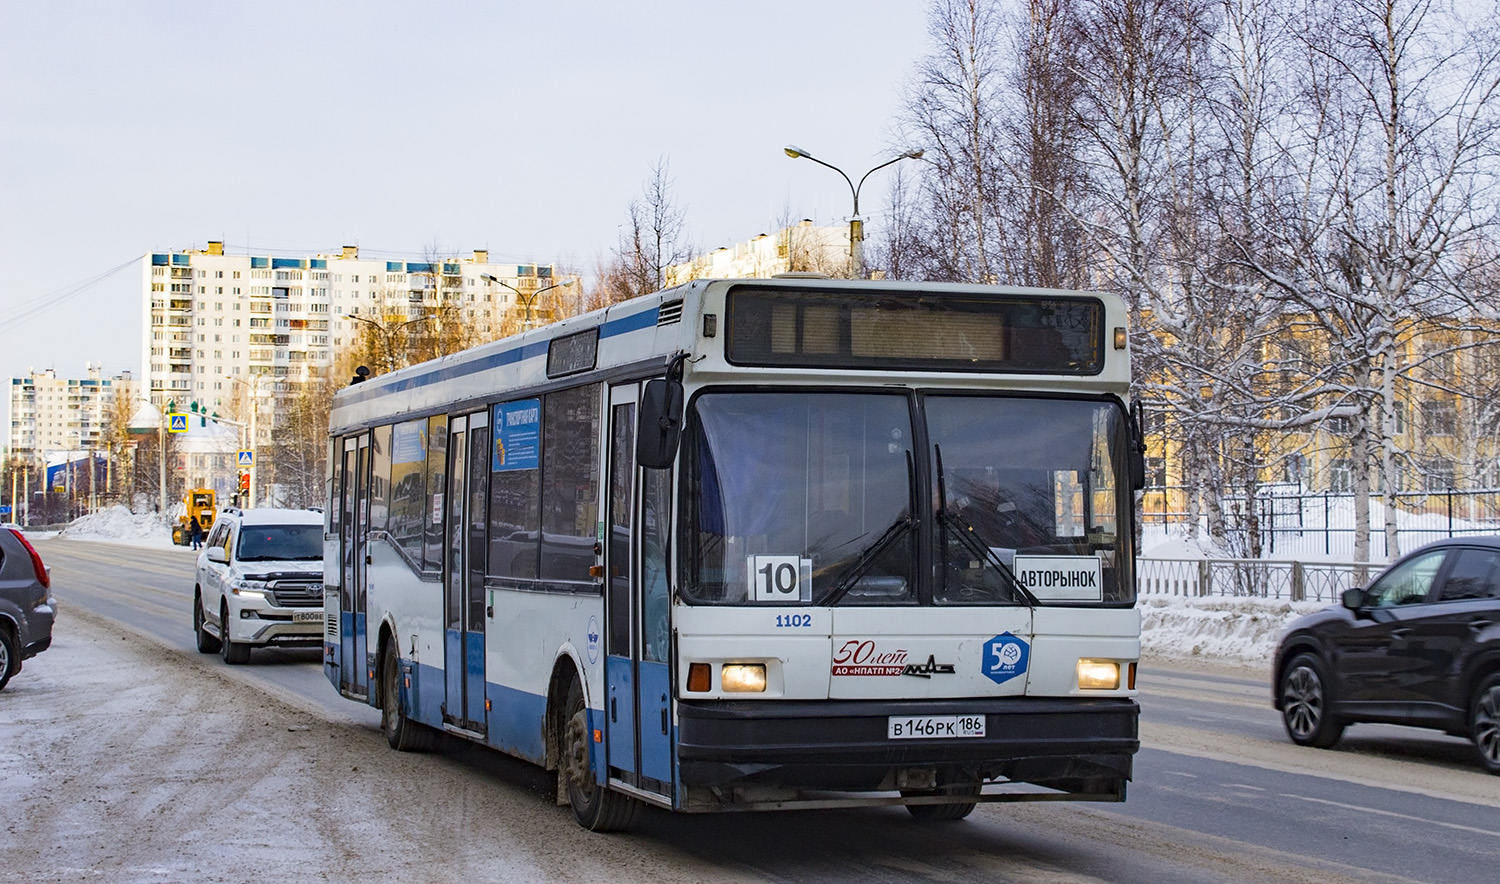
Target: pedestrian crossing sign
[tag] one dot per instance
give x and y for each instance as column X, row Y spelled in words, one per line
column 247, row 458
column 177, row 423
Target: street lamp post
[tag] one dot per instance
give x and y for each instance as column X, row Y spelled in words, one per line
column 387, row 335
column 531, row 298
column 856, row 224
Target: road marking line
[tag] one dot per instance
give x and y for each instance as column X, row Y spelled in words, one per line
column 1401, row 816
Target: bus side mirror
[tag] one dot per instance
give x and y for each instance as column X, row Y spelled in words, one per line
column 1137, row 461
column 660, row 425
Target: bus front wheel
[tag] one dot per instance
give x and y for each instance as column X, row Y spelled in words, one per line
column 403, row 734
column 944, row 812
column 595, row 806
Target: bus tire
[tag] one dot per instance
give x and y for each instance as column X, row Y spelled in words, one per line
column 403, row 734
column 207, row 644
column 943, row 813
column 235, row 653
column 595, row 807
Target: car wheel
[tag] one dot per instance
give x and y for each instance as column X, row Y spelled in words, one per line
column 207, row 644
column 10, row 658
column 943, row 812
column 401, row 732
column 595, row 807
column 234, row 652
column 1485, row 723
column 1306, row 710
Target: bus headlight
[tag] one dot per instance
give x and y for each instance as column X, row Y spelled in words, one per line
column 743, row 678
column 1098, row 675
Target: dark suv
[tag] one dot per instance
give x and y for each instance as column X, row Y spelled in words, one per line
column 26, row 606
column 1420, row 646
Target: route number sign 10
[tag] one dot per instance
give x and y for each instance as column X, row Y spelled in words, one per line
column 785, row 580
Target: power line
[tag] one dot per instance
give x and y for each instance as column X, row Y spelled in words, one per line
column 41, row 304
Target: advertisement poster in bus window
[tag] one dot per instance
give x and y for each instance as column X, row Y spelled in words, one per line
column 518, row 436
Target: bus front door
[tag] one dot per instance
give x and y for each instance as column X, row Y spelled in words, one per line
column 638, row 683
column 353, row 679
column 463, row 573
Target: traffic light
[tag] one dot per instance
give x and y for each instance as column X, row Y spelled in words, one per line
column 244, row 481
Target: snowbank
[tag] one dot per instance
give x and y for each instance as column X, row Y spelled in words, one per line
column 1232, row 630
column 120, row 525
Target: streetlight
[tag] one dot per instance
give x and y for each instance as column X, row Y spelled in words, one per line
column 856, row 226
column 387, row 334
column 531, row 298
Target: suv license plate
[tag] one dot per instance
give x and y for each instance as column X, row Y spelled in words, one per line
column 934, row 727
column 306, row 616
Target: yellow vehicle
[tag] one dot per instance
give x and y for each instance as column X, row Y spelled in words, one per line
column 198, row 502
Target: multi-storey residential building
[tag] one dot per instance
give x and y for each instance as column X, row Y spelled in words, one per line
column 53, row 414
column 221, row 328
column 800, row 248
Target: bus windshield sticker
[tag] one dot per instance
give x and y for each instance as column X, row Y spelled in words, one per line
column 785, row 580
column 518, row 433
column 1061, row 578
column 1067, row 498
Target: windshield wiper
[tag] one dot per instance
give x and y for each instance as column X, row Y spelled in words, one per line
column 970, row 538
column 896, row 531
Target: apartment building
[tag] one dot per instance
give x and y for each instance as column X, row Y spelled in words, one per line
column 220, row 328
column 55, row 414
column 800, row 248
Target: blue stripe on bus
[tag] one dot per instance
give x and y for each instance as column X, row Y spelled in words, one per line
column 623, row 325
column 513, row 723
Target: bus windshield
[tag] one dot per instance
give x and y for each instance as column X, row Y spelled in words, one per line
column 811, row 498
column 1033, row 487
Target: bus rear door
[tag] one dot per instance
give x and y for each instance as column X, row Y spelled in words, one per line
column 463, row 582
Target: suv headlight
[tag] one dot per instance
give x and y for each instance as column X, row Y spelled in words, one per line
column 248, row 589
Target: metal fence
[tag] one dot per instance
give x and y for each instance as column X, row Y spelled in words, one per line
column 1295, row 523
column 1258, row 578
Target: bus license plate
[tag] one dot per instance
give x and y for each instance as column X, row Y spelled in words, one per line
column 934, row 727
column 306, row 616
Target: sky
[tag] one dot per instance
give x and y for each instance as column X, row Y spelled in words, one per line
column 293, row 128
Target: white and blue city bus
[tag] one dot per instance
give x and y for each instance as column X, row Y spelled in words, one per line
column 756, row 544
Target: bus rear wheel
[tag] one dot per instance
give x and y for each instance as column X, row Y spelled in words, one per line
column 596, row 807
column 403, row 734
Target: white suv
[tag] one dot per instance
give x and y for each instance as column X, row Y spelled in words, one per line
column 260, row 582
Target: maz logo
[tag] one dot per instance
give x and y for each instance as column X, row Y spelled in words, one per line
column 929, row 669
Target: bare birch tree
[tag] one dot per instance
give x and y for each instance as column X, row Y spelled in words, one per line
column 1389, row 178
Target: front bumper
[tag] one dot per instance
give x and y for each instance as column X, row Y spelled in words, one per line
column 1059, row 742
column 275, row 626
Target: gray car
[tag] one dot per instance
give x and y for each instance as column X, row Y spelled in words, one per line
column 26, row 606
